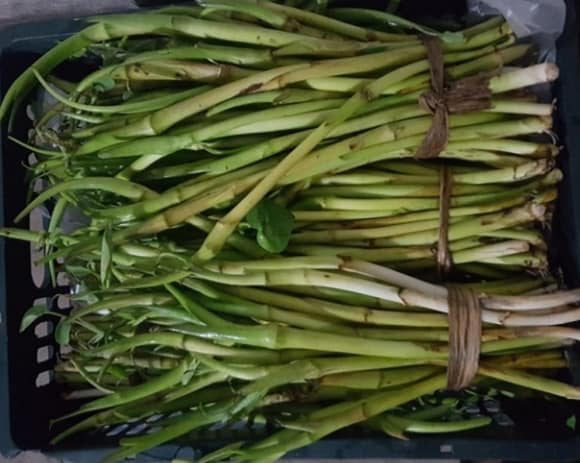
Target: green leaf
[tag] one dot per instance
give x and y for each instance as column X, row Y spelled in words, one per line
column 392, row 429
column 249, row 402
column 31, row 315
column 571, row 422
column 186, row 378
column 190, row 372
column 118, row 372
column 452, row 37
column 80, row 272
column 104, row 84
column 273, row 223
column 208, row 11
column 79, row 53
column 223, row 454
column 62, row 333
column 450, row 401
column 106, row 257
column 509, row 394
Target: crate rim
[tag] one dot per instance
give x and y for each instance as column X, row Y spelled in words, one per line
column 420, row 447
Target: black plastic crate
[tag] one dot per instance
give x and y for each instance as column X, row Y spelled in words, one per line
column 29, row 399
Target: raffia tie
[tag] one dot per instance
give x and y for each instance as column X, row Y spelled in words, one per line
column 464, row 337
column 443, row 258
column 464, row 95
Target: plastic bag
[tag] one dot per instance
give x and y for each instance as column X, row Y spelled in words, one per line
column 540, row 20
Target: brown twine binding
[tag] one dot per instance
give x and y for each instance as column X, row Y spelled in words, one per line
column 433, row 101
column 444, row 258
column 464, row 95
column 464, row 313
column 464, row 337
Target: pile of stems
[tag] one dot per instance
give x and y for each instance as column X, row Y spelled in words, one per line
column 259, row 243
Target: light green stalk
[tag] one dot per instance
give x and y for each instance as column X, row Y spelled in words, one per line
column 227, row 224
column 234, row 55
column 148, row 105
column 275, row 97
column 195, row 346
column 429, row 221
column 333, row 418
column 280, row 337
column 120, row 187
column 378, row 379
column 135, row 393
column 340, row 157
column 132, row 25
column 306, row 115
column 334, row 25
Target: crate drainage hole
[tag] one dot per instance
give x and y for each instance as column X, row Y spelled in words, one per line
column 62, row 279
column 154, row 418
column 40, row 185
column 44, row 354
column 43, row 329
column 63, row 301
column 39, row 272
column 137, row 429
column 44, row 378
column 65, row 350
column 117, row 430
column 446, row 448
column 42, row 301
column 503, row 420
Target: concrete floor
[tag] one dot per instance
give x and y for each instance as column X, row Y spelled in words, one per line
column 17, row 11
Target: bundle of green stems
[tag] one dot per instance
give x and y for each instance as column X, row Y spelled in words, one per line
column 260, row 241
